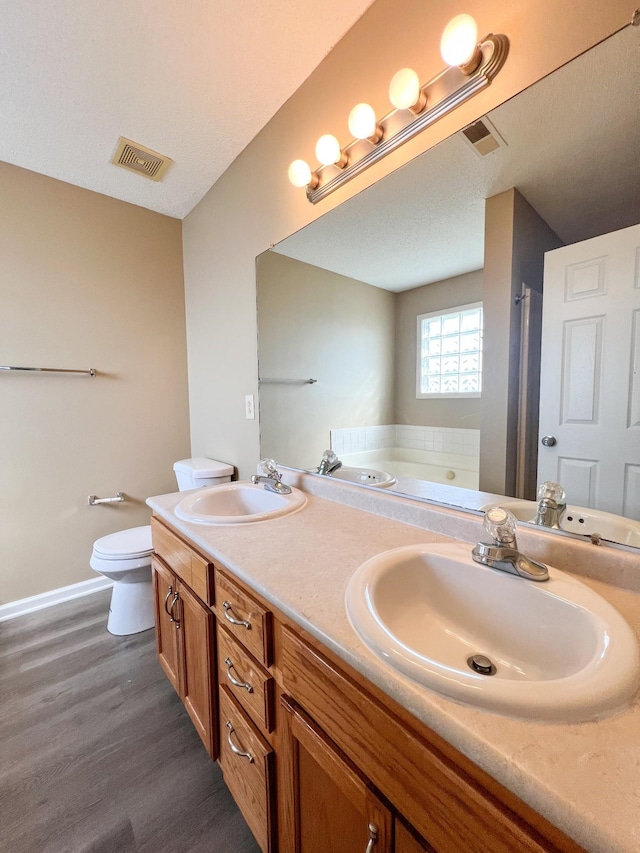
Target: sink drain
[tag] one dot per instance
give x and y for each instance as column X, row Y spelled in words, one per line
column 481, row 664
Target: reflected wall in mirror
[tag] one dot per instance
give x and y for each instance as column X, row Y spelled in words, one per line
column 338, row 302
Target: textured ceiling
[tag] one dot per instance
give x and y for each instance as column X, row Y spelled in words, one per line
column 572, row 151
column 194, row 81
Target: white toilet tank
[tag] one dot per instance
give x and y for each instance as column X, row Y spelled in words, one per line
column 193, row 473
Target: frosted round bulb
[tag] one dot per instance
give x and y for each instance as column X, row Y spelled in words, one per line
column 328, row 150
column 362, row 122
column 300, row 173
column 404, row 89
column 459, row 40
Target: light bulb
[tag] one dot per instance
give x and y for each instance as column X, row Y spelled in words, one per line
column 363, row 123
column 459, row 40
column 328, row 150
column 405, row 92
column 300, row 173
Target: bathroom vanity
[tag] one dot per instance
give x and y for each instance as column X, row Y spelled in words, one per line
column 324, row 746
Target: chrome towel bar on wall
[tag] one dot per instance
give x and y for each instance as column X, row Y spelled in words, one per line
column 94, row 500
column 287, row 381
column 90, row 372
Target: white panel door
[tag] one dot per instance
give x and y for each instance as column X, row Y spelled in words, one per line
column 590, row 376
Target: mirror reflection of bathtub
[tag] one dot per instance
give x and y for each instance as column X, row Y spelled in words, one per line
column 438, row 455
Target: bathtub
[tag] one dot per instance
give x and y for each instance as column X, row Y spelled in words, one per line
column 449, row 469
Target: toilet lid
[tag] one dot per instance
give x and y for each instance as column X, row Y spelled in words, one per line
column 126, row 544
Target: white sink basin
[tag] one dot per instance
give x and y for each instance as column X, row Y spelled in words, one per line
column 587, row 522
column 560, row 651
column 237, row 503
column 365, row 476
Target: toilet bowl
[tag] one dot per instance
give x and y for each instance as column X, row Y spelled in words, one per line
column 125, row 557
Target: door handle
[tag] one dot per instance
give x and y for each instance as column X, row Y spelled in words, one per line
column 171, row 614
column 167, row 597
column 373, row 838
column 236, row 749
column 228, row 611
column 229, row 664
column 549, row 440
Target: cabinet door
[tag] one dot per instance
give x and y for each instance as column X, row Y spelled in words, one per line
column 165, row 592
column 331, row 806
column 197, row 656
column 407, row 842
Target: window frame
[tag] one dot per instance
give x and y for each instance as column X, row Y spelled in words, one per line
column 445, row 395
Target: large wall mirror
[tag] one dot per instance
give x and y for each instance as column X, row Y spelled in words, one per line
column 520, row 215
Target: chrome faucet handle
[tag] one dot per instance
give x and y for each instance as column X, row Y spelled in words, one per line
column 551, row 491
column 502, row 525
column 270, row 468
column 551, row 504
column 504, row 554
column 329, row 462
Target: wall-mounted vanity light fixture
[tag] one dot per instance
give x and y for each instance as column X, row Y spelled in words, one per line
column 471, row 66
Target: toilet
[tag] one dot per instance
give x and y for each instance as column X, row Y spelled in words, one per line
column 125, row 557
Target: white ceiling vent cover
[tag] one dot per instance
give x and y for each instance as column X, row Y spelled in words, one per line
column 135, row 157
column 482, row 137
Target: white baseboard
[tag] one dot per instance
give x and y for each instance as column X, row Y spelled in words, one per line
column 55, row 596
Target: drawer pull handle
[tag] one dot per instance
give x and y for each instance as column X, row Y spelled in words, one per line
column 171, row 614
column 373, row 838
column 167, row 597
column 229, row 664
column 228, row 610
column 236, row 750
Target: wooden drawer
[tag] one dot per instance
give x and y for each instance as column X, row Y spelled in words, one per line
column 190, row 567
column 247, row 620
column 246, row 680
column 247, row 762
column 446, row 806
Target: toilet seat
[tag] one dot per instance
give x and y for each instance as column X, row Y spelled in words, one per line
column 132, row 544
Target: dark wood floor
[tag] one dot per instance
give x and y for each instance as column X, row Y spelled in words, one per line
column 97, row 754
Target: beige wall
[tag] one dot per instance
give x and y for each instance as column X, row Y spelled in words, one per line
column 253, row 206
column 86, row 281
column 516, row 239
column 317, row 324
column 440, row 296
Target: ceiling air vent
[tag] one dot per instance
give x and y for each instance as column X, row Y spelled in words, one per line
column 137, row 158
column 482, row 137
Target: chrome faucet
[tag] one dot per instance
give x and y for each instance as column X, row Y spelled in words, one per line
column 271, row 477
column 503, row 553
column 329, row 463
column 551, row 505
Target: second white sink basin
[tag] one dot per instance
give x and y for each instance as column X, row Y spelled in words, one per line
column 237, row 503
column 364, row 476
column 558, row 651
column 586, row 522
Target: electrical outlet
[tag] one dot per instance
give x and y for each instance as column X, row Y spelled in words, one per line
column 249, row 407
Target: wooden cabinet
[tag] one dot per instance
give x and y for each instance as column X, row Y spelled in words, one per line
column 433, row 787
column 248, row 765
column 166, row 593
column 332, row 807
column 185, row 643
column 247, row 717
column 407, row 842
column 244, row 617
column 248, row 682
column 356, row 773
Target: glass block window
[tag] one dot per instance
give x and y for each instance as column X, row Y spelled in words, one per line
column 449, row 353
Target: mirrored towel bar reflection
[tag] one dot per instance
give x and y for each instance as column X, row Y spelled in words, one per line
column 287, row 381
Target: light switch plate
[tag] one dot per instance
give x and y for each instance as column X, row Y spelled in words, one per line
column 249, row 407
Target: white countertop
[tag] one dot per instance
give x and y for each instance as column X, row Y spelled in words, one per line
column 584, row 778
